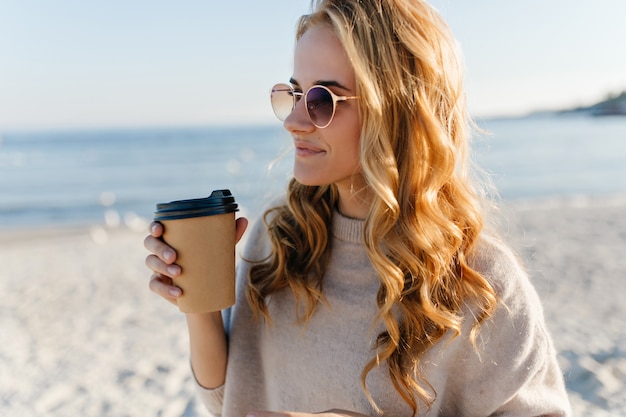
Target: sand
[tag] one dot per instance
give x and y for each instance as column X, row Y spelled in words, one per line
column 81, row 334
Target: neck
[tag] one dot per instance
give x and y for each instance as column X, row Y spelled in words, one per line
column 355, row 199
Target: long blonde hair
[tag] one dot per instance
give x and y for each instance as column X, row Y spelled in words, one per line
column 425, row 217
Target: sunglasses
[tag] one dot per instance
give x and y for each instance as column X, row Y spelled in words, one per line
column 320, row 103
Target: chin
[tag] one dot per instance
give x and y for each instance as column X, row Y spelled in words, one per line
column 308, row 182
column 305, row 178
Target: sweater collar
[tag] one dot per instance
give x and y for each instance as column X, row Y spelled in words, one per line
column 346, row 228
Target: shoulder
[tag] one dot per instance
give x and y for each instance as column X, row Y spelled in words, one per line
column 257, row 243
column 518, row 317
column 518, row 321
column 515, row 358
column 501, row 267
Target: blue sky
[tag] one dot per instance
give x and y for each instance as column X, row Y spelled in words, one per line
column 76, row 64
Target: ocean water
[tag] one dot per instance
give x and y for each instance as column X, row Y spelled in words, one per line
column 117, row 176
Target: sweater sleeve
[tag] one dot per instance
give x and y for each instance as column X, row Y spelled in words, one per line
column 211, row 398
column 515, row 371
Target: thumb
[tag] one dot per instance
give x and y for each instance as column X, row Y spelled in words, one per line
column 241, row 224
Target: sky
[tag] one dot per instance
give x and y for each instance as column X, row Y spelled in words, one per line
column 139, row 63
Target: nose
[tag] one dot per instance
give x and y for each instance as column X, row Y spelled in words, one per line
column 299, row 120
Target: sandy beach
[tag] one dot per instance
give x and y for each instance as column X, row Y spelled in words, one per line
column 83, row 336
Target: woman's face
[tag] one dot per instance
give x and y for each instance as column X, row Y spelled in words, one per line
column 329, row 155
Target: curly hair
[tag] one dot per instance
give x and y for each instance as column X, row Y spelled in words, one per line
column 425, row 217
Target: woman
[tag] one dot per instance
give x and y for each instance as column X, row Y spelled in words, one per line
column 371, row 288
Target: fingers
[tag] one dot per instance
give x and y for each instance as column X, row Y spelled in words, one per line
column 241, row 224
column 160, row 249
column 157, row 265
column 155, row 245
column 164, row 287
column 156, row 229
column 161, row 261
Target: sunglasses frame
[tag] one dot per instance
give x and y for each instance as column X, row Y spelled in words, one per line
column 335, row 99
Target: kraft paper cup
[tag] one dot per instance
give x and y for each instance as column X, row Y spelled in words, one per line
column 202, row 231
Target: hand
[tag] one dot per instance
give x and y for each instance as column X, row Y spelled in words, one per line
column 162, row 260
column 329, row 413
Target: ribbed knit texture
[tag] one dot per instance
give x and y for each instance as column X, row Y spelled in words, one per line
column 347, row 229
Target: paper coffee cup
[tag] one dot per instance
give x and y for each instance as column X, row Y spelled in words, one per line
column 202, row 231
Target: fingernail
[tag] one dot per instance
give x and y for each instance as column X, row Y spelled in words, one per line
column 173, row 270
column 175, row 292
column 153, row 228
column 168, row 254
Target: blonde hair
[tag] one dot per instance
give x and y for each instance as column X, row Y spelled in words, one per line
column 425, row 217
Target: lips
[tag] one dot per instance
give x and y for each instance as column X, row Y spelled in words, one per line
column 307, row 148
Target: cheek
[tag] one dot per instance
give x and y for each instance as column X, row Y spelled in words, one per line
column 350, row 146
column 343, row 137
column 353, row 138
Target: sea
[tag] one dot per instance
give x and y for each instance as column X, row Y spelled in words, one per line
column 115, row 177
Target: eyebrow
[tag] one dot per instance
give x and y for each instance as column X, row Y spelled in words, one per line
column 325, row 83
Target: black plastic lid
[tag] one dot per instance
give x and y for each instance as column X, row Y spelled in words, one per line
column 219, row 202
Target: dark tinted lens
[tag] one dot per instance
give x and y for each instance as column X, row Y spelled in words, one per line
column 319, row 105
column 282, row 100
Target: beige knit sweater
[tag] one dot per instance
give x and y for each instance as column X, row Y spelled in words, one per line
column 317, row 367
